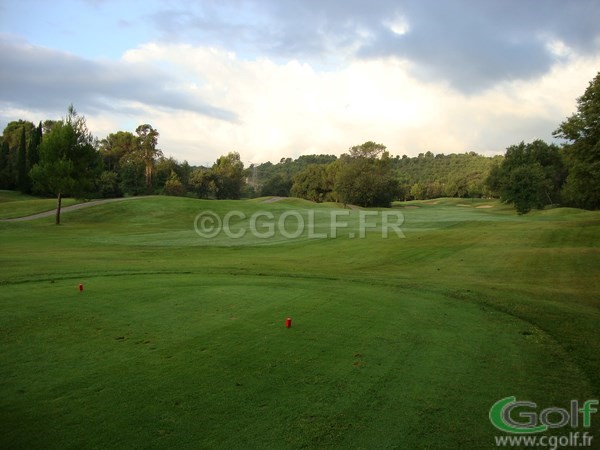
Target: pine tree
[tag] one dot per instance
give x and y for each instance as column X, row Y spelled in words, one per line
column 69, row 164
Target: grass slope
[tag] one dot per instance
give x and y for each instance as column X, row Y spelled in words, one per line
column 14, row 204
column 178, row 341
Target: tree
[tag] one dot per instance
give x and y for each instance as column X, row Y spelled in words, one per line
column 69, row 163
column 132, row 178
column 12, row 132
column 228, row 176
column 364, row 179
column 108, row 185
column 4, row 165
column 12, row 135
column 265, row 173
column 367, row 150
column 201, row 182
column 165, row 167
column 116, row 147
column 22, row 175
column 457, row 186
column 582, row 130
column 35, row 140
column 173, row 185
column 454, row 175
column 313, row 184
column 48, row 125
column 148, row 138
column 278, row 185
column 530, row 176
column 418, row 191
column 522, row 189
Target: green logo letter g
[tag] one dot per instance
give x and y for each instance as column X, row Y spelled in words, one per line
column 501, row 419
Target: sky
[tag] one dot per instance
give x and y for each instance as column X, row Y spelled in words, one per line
column 273, row 79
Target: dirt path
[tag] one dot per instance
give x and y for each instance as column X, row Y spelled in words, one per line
column 68, row 208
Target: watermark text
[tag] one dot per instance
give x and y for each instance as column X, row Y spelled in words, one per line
column 293, row 224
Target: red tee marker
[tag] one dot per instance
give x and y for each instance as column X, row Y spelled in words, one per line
column 80, row 287
column 288, row 322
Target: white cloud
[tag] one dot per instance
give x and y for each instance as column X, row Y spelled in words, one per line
column 290, row 109
column 558, row 48
column 284, row 109
column 399, row 25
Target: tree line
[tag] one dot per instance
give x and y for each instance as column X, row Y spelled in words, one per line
column 61, row 157
column 417, row 178
column 538, row 174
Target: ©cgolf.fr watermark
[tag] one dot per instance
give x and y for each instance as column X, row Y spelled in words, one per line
column 525, row 425
column 292, row 224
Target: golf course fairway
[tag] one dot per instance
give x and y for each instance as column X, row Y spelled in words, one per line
column 179, row 341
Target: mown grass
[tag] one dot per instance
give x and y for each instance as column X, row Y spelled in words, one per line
column 14, row 204
column 178, row 341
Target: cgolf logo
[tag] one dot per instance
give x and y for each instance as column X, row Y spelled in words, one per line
column 292, row 224
column 520, row 417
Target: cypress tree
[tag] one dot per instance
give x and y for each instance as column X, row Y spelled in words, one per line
column 4, row 164
column 33, row 154
column 23, row 183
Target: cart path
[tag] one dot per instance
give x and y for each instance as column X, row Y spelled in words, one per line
column 69, row 208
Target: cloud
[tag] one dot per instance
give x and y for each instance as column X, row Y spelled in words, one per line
column 470, row 44
column 288, row 109
column 483, row 43
column 44, row 79
column 207, row 99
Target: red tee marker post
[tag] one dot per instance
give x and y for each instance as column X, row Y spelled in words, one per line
column 80, row 287
column 288, row 322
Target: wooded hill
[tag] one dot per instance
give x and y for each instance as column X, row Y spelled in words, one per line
column 421, row 177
